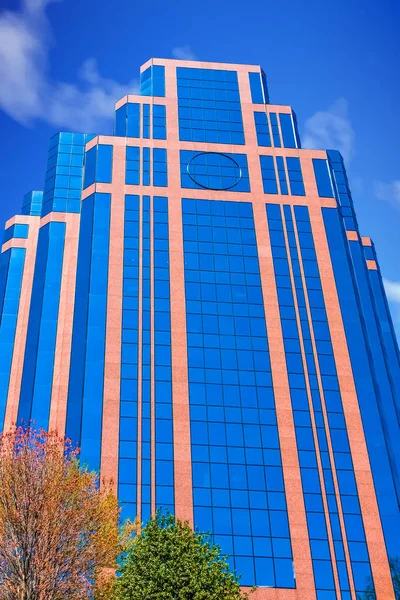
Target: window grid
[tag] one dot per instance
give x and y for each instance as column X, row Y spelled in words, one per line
column 342, row 190
column 128, row 435
column 213, row 170
column 262, row 129
column 127, row 120
column 288, row 131
column 348, row 492
column 159, row 166
column 159, row 333
column 295, row 175
column 258, row 88
column 64, row 175
column 282, row 175
column 268, row 174
column 159, row 122
column 237, row 471
column 146, row 366
column 86, row 378
column 209, row 106
column 330, row 490
column 41, row 334
column 43, row 364
column 11, row 272
column 98, row 165
column 275, row 129
column 32, row 204
column 364, row 364
column 132, row 175
column 323, row 178
column 146, row 166
column 299, row 391
column 152, row 81
column 160, row 175
column 293, row 171
column 164, row 449
column 146, row 121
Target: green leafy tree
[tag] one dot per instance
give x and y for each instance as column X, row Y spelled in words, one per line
column 394, row 563
column 168, row 561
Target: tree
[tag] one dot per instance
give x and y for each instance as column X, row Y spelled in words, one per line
column 58, row 526
column 168, row 561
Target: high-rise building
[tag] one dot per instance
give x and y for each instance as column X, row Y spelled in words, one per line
column 192, row 302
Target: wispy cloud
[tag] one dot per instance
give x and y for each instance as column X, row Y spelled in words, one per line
column 331, row 129
column 184, row 53
column 28, row 94
column 392, row 289
column 388, row 192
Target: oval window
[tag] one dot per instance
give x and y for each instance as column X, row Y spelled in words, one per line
column 214, row 171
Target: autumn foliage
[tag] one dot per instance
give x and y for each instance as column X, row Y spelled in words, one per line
column 58, row 526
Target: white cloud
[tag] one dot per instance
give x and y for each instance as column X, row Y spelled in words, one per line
column 26, row 91
column 392, row 290
column 330, row 129
column 388, row 192
column 183, row 53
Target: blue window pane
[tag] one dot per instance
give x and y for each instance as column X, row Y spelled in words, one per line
column 209, row 106
column 287, row 128
column 265, row 575
column 268, row 175
column 98, row 167
column 322, row 177
column 258, row 88
column 262, row 129
column 152, row 81
column 284, row 573
column 104, row 163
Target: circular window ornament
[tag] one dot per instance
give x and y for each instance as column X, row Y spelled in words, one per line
column 214, row 171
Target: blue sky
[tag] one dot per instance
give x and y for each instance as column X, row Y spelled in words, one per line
column 64, row 63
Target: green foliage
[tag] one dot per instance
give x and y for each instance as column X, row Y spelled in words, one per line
column 167, row 561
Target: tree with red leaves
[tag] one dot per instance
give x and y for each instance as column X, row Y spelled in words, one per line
column 58, row 526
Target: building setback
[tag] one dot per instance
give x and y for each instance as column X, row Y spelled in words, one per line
column 191, row 301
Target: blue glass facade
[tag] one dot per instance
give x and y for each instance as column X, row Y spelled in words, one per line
column 64, row 174
column 203, row 318
column 214, row 171
column 317, row 405
column 11, row 269
column 84, row 416
column 37, row 378
column 367, row 384
column 146, row 248
column 237, row 471
column 209, row 106
column 163, row 435
column 32, row 204
column 152, row 81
